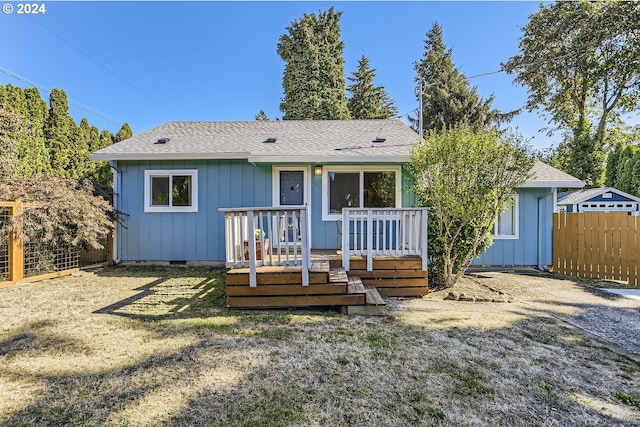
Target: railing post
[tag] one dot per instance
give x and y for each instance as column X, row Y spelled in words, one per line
column 253, row 282
column 369, row 239
column 305, row 246
column 345, row 239
column 16, row 245
column 424, row 242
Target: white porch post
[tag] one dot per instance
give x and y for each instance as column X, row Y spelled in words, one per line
column 345, row 239
column 305, row 247
column 253, row 282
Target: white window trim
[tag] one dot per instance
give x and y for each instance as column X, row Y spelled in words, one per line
column 275, row 188
column 148, row 174
column 326, row 216
column 516, row 222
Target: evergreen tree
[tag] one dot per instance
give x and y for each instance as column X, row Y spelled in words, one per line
column 367, row 100
column 625, row 169
column 102, row 173
column 59, row 132
column 448, row 100
column 14, row 102
column 586, row 156
column 611, row 173
column 10, row 125
column 124, row 133
column 635, row 174
column 36, row 156
column 313, row 80
column 262, row 116
column 79, row 162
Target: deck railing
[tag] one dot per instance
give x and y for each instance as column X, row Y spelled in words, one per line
column 270, row 236
column 384, row 231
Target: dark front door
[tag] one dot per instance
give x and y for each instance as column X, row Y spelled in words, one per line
column 291, row 188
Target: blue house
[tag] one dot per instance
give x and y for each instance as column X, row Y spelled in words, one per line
column 171, row 182
column 606, row 199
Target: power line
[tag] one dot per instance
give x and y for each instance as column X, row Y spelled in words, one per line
column 99, row 64
column 76, row 104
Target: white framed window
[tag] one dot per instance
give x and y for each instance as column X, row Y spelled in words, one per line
column 507, row 226
column 171, row 190
column 359, row 186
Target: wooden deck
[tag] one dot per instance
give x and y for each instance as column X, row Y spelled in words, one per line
column 359, row 291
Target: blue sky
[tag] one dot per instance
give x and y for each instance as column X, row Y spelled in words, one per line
column 147, row 63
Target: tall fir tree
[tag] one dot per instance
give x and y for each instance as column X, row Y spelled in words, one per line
column 262, row 116
column 313, row 80
column 368, row 101
column 448, row 100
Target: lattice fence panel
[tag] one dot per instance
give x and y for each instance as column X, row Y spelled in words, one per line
column 4, row 245
column 41, row 258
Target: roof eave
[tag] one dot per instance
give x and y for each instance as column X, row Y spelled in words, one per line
column 327, row 159
column 553, row 184
column 168, row 156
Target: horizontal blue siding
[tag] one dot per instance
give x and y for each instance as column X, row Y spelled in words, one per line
column 615, row 197
column 534, row 245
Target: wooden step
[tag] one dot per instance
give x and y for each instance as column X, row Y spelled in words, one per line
column 374, row 303
column 277, row 290
column 338, row 275
column 295, row 301
column 373, row 296
column 356, row 286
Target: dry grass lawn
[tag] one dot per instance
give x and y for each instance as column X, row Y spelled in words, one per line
column 153, row 347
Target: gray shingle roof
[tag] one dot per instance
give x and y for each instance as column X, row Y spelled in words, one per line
column 339, row 141
column 544, row 175
column 575, row 197
column 296, row 141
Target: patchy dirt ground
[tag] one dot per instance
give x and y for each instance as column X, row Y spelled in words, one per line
column 613, row 319
column 149, row 347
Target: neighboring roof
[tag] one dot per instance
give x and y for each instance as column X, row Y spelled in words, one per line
column 575, row 197
column 544, row 175
column 296, row 141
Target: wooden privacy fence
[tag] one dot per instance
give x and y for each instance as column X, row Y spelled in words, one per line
column 599, row 245
column 34, row 260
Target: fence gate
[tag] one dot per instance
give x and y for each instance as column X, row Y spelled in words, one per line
column 599, row 245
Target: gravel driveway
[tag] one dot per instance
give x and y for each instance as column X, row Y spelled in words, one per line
column 609, row 318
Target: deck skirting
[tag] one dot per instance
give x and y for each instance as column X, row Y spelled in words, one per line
column 329, row 284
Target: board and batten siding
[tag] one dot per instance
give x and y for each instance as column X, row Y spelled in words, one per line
column 197, row 236
column 533, row 247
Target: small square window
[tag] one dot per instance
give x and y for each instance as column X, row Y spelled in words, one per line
column 171, row 190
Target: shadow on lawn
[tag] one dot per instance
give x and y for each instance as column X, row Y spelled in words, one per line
column 171, row 293
column 266, row 370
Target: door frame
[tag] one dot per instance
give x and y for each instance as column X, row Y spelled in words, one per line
column 275, row 189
